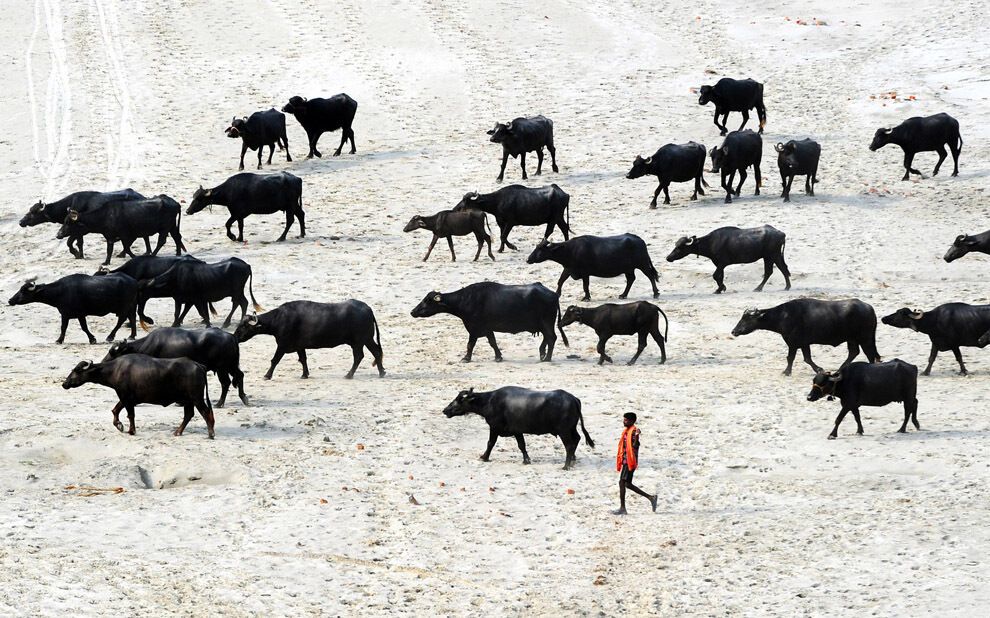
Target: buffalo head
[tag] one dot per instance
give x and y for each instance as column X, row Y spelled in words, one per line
column 72, row 226
column 416, row 223
column 27, row 294
column 469, row 200
column 903, row 318
column 752, row 319
column 880, row 139
column 237, row 128
column 248, row 328
column 35, row 215
column 466, row 402
column 682, row 248
column 500, row 133
column 200, row 200
column 79, row 375
column 706, row 95
column 572, row 315
column 543, row 251
column 119, row 349
column 296, row 106
column 640, row 167
column 718, row 156
column 823, row 384
column 432, row 304
column 787, row 158
column 962, row 245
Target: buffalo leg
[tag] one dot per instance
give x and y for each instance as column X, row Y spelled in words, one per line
column 787, row 189
column 953, row 148
column 65, row 325
column 289, row 218
column 779, row 261
column 147, row 244
column 350, row 136
column 853, row 352
column 859, row 421
column 229, row 223
column 279, row 353
column 958, row 355
column 907, row 417
column 488, row 239
column 549, row 341
column 586, row 282
column 207, row 413
column 238, row 380
column 72, row 250
column 85, row 329
column 240, row 230
column 759, row 178
column 109, row 252
column 914, row 412
column 433, row 243
column 480, row 237
column 931, row 361
column 522, row 164
column 653, row 281
column 656, row 194
column 553, row 157
column 560, row 285
column 602, row 356
column 305, row 365
column 376, row 353
column 271, row 153
column 666, row 193
column 791, row 353
column 301, row 216
column 539, row 161
column 243, row 150
column 522, row 447
column 727, row 185
column 450, row 243
column 838, row 421
column 343, row 140
column 570, row 447
column 233, row 307
column 721, row 128
column 941, row 157
column 472, row 340
column 116, row 416
column 187, row 414
column 767, row 271
column 492, row 438
column 630, row 277
column 182, row 316
column 908, row 170
column 160, row 244
column 806, row 353
column 120, row 322
column 358, row 355
column 742, row 179
column 745, row 114
column 505, row 239
column 719, row 277
column 312, row 145
column 261, row 153
column 224, row 378
column 655, row 333
column 130, row 419
column 494, row 344
column 505, row 160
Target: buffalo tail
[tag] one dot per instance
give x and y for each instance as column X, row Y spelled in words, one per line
column 591, row 442
column 666, row 324
column 378, row 340
column 258, row 308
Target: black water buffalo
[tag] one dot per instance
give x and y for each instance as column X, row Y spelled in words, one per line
column 247, row 194
column 78, row 296
column 964, row 243
column 126, row 221
column 524, row 135
column 145, row 267
column 869, row 384
column 731, row 245
column 318, row 116
column 139, row 378
column 805, row 321
column 518, row 205
column 584, row 257
column 449, row 223
column 213, row 348
column 926, row 134
column 739, row 150
column 672, row 163
column 948, row 326
column 81, row 201
column 638, row 318
column 798, row 158
column 194, row 283
column 487, row 308
column 515, row 411
column 735, row 95
column 301, row 324
column 260, row 130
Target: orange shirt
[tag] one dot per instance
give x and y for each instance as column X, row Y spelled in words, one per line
column 627, row 449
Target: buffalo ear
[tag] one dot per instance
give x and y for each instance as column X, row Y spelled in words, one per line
column 73, row 215
column 725, row 150
column 836, row 377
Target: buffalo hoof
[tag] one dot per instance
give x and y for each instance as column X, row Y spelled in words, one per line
column 954, row 174
column 349, row 376
column 831, row 436
column 483, row 458
column 653, row 205
column 556, row 169
column 336, row 153
column 630, row 363
column 608, row 359
column 381, row 373
column 526, row 461
column 268, row 376
column 466, row 359
column 723, row 132
column 963, row 372
column 119, row 426
column 60, row 340
column 587, row 298
column 728, row 200
column 130, row 432
column 92, row 340
column 304, row 376
column 787, row 372
column 211, row 435
column 498, row 359
column 601, row 361
column 926, row 372
column 619, row 512
column 717, row 291
column 666, row 202
column 177, row 433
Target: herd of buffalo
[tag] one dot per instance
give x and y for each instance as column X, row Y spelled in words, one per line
column 170, row 365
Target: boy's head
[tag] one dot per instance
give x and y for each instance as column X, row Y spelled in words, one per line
column 628, row 419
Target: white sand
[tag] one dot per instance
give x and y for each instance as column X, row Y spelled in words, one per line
column 759, row 513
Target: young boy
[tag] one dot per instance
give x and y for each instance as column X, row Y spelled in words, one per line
column 626, row 461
